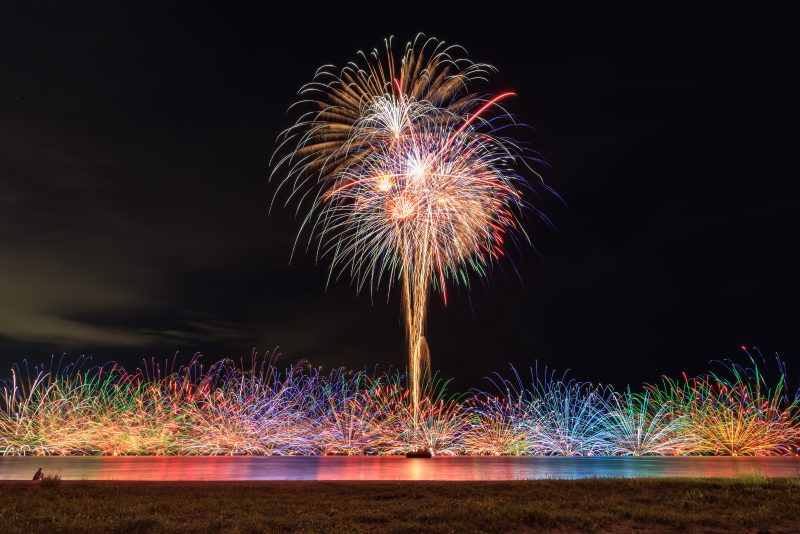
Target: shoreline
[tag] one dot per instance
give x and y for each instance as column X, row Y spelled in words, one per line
column 396, row 468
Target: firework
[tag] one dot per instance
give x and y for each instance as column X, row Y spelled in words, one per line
column 553, row 416
column 259, row 408
column 637, row 426
column 737, row 413
column 254, row 411
column 568, row 418
column 348, row 413
column 436, row 425
column 496, row 427
column 405, row 176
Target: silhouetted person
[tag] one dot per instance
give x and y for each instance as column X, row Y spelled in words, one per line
column 38, row 475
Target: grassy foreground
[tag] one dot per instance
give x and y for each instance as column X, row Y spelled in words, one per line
column 596, row 505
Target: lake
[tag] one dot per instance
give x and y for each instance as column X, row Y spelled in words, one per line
column 180, row 468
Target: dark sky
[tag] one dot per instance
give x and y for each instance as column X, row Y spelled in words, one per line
column 134, row 147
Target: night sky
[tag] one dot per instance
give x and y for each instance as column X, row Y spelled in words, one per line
column 134, row 148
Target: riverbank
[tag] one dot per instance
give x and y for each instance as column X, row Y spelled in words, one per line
column 750, row 504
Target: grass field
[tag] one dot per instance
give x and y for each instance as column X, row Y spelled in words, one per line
column 750, row 504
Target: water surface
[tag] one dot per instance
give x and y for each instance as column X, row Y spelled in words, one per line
column 176, row 468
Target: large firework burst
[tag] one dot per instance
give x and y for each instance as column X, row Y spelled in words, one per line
column 405, row 176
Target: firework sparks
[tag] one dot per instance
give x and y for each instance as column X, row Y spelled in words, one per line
column 260, row 409
column 735, row 415
column 404, row 176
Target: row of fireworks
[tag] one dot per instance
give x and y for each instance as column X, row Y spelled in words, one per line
column 262, row 409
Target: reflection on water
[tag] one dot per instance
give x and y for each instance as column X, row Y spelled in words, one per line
column 388, row 468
